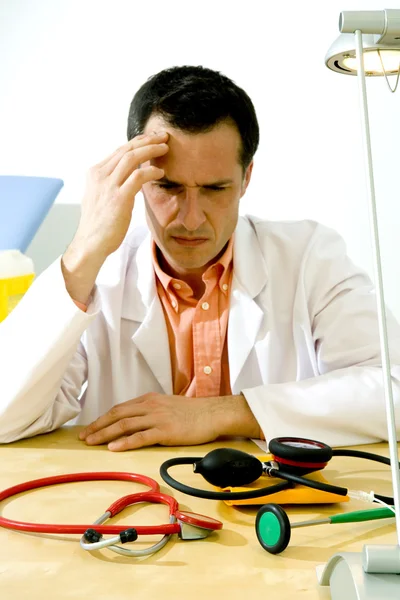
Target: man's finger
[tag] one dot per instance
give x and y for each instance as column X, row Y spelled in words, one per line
column 108, row 165
column 121, row 428
column 120, row 150
column 148, row 437
column 121, row 411
column 131, row 160
column 141, row 176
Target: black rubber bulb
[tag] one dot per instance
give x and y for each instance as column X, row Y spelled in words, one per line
column 225, row 467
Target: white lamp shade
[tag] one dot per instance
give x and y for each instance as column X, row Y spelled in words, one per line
column 341, row 56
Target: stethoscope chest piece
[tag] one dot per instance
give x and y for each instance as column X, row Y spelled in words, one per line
column 194, row 526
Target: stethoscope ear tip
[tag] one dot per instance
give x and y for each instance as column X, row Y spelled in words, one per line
column 273, row 528
column 91, row 536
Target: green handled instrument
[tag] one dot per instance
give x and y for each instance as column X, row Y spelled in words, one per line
column 352, row 517
column 273, row 527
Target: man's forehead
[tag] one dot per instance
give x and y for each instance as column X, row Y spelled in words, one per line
column 197, row 173
column 196, row 158
column 222, row 136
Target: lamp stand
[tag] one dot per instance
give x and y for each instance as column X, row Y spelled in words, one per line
column 373, row 574
column 345, row 573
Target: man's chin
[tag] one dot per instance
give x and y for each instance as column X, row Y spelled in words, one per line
column 188, row 262
column 191, row 265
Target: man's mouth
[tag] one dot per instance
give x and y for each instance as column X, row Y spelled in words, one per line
column 185, row 241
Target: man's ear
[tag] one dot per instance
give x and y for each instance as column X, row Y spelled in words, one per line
column 247, row 177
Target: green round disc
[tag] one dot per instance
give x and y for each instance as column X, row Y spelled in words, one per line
column 269, row 528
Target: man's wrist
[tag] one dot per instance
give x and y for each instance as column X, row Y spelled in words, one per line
column 234, row 417
column 80, row 269
column 80, row 305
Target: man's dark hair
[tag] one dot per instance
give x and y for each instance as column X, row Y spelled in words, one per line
column 195, row 99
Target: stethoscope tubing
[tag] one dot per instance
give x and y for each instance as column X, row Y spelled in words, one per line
column 152, row 495
column 169, row 528
column 73, row 477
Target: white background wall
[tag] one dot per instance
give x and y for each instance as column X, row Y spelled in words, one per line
column 69, row 69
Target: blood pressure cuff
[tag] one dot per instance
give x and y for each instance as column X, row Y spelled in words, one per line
column 299, row 494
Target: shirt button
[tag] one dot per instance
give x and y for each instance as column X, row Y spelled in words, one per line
column 177, row 286
column 225, row 287
column 207, row 370
column 205, row 306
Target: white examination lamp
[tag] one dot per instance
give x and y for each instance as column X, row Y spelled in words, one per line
column 370, row 45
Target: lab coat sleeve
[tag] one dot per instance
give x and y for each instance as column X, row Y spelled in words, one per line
column 343, row 404
column 42, row 360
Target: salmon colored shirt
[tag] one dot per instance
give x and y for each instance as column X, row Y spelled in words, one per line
column 197, row 329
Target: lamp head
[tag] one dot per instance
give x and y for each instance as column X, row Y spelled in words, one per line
column 341, row 56
column 381, row 32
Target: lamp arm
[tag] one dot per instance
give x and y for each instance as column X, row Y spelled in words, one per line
column 385, row 24
column 368, row 21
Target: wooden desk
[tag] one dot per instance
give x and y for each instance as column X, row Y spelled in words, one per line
column 230, row 564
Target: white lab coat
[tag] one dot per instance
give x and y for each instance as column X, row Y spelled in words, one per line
column 302, row 340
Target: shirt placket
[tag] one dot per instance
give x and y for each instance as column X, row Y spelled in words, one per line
column 207, row 346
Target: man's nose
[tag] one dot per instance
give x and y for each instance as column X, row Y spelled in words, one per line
column 191, row 213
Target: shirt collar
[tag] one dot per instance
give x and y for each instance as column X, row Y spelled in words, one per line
column 223, row 267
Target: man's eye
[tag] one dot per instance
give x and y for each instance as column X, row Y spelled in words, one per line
column 171, row 186
column 166, row 186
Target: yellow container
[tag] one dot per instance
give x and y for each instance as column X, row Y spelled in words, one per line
column 16, row 275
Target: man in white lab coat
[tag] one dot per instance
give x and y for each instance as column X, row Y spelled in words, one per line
column 205, row 324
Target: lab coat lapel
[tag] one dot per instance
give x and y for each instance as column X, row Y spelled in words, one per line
column 151, row 337
column 245, row 316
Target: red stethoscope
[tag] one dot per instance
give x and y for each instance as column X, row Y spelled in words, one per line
column 187, row 525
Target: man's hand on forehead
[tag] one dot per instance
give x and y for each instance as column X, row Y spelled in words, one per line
column 110, row 193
